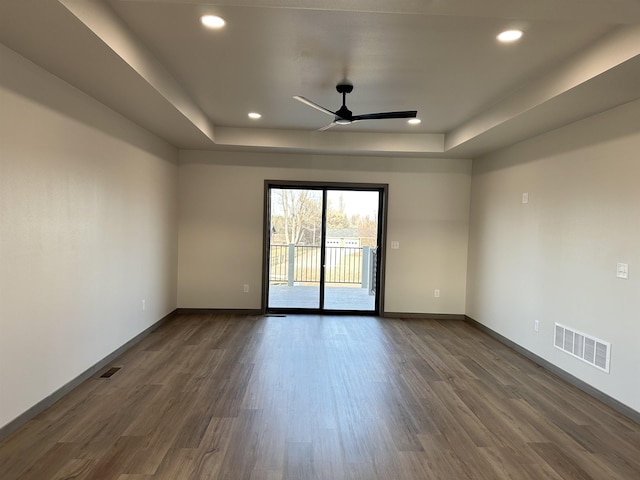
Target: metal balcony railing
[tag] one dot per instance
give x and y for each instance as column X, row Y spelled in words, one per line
column 295, row 265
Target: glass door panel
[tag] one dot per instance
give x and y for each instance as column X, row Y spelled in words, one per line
column 350, row 249
column 295, row 248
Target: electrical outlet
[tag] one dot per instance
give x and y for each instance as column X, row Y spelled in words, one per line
column 245, row 289
column 436, row 293
column 536, row 325
column 144, row 305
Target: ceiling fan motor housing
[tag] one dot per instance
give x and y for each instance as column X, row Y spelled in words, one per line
column 344, row 115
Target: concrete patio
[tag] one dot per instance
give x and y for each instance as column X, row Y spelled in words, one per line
column 336, row 298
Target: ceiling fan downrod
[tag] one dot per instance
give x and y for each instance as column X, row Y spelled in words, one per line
column 344, row 116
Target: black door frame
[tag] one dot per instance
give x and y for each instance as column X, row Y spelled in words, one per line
column 382, row 188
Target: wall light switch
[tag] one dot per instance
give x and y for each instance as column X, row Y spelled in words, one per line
column 395, row 245
column 525, row 197
column 622, row 271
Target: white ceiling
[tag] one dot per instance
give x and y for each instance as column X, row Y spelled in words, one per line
column 152, row 61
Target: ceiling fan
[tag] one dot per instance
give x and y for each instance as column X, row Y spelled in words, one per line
column 344, row 116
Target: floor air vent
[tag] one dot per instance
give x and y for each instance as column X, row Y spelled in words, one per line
column 587, row 348
column 110, row 372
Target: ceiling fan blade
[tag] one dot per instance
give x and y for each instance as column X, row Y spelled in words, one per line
column 314, row 105
column 327, row 127
column 383, row 115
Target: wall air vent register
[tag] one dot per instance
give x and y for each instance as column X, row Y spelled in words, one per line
column 585, row 347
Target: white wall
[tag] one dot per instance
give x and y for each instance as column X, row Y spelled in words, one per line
column 221, row 225
column 554, row 259
column 87, row 230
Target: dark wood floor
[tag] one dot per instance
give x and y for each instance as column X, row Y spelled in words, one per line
column 313, row 397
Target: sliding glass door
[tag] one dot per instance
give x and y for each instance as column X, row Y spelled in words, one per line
column 295, row 236
column 322, row 247
column 350, row 246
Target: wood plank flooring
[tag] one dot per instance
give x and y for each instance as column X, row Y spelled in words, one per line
column 321, row 397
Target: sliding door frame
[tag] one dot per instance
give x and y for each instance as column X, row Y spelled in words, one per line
column 382, row 188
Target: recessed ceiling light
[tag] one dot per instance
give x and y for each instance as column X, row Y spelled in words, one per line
column 254, row 116
column 414, row 121
column 510, row 35
column 212, row 21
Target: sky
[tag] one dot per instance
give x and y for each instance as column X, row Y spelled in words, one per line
column 356, row 202
column 363, row 203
